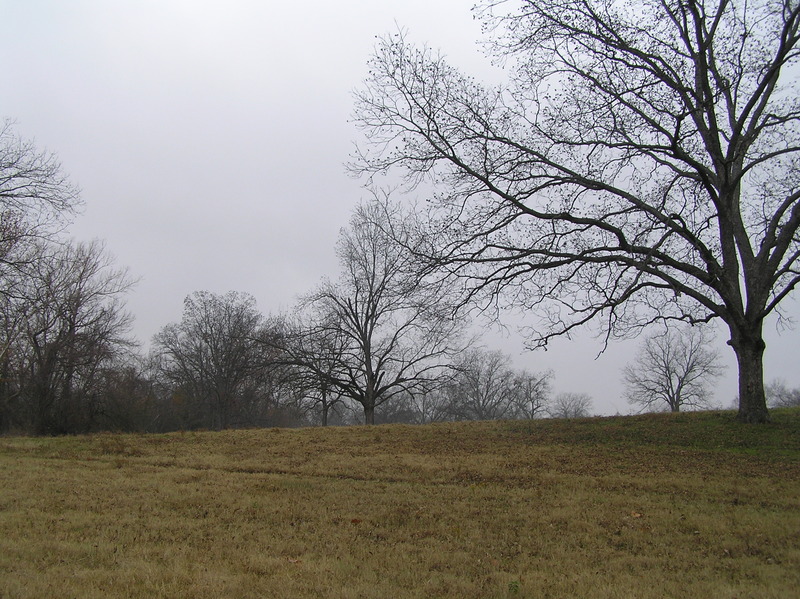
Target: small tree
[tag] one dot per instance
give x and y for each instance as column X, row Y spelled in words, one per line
column 431, row 405
column 530, row 393
column 314, row 351
column 126, row 398
column 399, row 409
column 673, row 370
column 570, row 405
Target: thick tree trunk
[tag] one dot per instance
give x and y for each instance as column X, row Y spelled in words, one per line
column 369, row 414
column 749, row 348
column 324, row 414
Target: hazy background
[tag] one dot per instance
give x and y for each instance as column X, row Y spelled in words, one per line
column 209, row 138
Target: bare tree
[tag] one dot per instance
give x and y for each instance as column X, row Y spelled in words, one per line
column 214, row 356
column 35, row 199
column 570, row 405
column 126, row 397
column 73, row 326
column 431, row 405
column 315, row 352
column 397, row 335
column 673, row 370
column 399, row 409
column 781, row 396
column 640, row 165
column 530, row 393
column 483, row 387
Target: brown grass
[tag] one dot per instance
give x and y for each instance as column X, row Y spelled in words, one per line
column 655, row 506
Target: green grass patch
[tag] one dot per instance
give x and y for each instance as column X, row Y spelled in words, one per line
column 713, row 431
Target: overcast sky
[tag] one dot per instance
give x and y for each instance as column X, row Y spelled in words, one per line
column 209, row 137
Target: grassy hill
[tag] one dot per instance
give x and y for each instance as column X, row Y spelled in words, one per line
column 688, row 505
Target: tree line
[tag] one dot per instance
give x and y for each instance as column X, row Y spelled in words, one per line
column 376, row 338
column 377, row 344
column 638, row 170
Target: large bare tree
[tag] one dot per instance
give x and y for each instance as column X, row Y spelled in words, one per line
column 640, row 164
column 395, row 336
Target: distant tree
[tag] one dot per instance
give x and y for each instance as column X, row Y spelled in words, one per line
column 127, row 399
column 214, row 360
column 570, row 405
column 64, row 327
column 672, row 370
column 530, row 393
column 431, row 404
column 398, row 410
column 781, row 396
column 35, row 200
column 398, row 336
column 640, row 165
column 314, row 351
column 482, row 387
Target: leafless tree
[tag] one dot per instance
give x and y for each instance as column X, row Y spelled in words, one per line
column 399, row 409
column 483, row 387
column 35, row 200
column 781, row 396
column 570, row 405
column 530, row 393
column 214, row 358
column 126, row 398
column 431, row 405
column 640, row 165
column 398, row 336
column 672, row 370
column 64, row 328
column 315, row 351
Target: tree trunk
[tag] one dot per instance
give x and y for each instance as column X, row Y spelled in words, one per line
column 324, row 413
column 749, row 348
column 369, row 414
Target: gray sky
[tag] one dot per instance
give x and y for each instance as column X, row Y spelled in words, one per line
column 209, row 136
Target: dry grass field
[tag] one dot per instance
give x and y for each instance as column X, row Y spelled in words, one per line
column 654, row 506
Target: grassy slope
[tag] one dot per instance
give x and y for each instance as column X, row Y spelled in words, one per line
column 688, row 505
